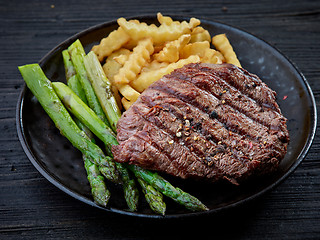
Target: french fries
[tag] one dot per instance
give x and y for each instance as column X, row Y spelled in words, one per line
column 164, row 19
column 111, row 67
column 223, row 45
column 146, row 78
column 170, row 52
column 197, row 48
column 137, row 54
column 126, row 103
column 136, row 60
column 113, row 42
column 212, row 56
column 199, row 34
column 128, row 92
column 163, row 33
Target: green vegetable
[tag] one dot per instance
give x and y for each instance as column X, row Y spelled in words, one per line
column 81, row 111
column 130, row 191
column 153, row 197
column 89, row 118
column 42, row 89
column 85, row 114
column 102, row 88
column 163, row 186
column 77, row 55
column 71, row 76
column 74, row 84
column 99, row 191
column 109, row 105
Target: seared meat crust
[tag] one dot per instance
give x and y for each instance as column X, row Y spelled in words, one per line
column 208, row 121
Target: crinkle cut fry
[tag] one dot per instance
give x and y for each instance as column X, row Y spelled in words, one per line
column 223, row 45
column 111, row 67
column 126, row 103
column 212, row 56
column 139, row 30
column 199, row 34
column 137, row 59
column 196, row 48
column 145, row 79
column 164, row 19
column 170, row 52
column 128, row 92
column 114, row 41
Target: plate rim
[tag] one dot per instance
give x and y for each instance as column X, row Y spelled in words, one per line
column 84, row 199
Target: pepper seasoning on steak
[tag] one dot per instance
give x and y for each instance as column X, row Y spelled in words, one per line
column 204, row 121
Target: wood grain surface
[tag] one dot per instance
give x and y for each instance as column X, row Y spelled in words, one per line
column 32, row 208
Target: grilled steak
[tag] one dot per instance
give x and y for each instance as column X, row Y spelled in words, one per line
column 205, row 121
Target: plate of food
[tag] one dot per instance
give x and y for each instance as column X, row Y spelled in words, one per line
column 154, row 116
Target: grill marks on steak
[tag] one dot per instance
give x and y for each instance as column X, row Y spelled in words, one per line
column 201, row 121
column 224, row 92
column 206, row 147
column 247, row 83
column 208, row 138
column 173, row 130
column 232, row 119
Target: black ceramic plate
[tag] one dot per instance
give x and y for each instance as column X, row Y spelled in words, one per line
column 61, row 164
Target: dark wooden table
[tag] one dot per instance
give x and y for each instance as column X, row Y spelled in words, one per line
column 32, row 208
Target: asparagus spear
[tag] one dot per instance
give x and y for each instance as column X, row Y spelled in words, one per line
column 99, row 190
column 75, row 105
column 77, row 54
column 42, row 89
column 85, row 114
column 130, row 191
column 71, row 76
column 167, row 189
column 101, row 86
column 153, row 197
column 74, row 84
column 109, row 105
column 102, row 131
